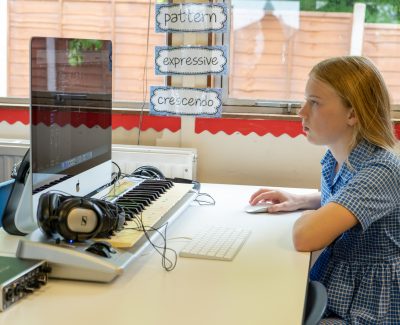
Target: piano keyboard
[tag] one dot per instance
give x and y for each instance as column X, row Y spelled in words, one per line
column 149, row 202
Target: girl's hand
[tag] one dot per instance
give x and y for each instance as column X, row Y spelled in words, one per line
column 285, row 201
column 281, row 200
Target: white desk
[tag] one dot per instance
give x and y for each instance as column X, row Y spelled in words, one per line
column 264, row 284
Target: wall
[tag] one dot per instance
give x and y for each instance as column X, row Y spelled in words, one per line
column 232, row 159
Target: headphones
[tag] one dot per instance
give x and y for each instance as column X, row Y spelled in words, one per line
column 77, row 218
column 148, row 172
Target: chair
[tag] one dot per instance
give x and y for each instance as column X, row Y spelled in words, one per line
column 5, row 189
column 317, row 299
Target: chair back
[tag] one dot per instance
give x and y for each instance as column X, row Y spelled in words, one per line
column 317, row 300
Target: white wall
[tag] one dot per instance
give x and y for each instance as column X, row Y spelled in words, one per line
column 239, row 159
column 233, row 159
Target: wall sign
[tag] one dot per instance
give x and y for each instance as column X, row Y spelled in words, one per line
column 194, row 60
column 191, row 17
column 205, row 102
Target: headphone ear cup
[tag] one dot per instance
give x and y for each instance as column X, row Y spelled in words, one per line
column 113, row 218
column 47, row 211
column 79, row 219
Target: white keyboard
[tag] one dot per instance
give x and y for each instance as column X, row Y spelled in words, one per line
column 216, row 243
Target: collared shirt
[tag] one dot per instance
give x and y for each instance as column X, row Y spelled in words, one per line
column 361, row 269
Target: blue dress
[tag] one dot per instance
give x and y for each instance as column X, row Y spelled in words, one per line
column 361, row 268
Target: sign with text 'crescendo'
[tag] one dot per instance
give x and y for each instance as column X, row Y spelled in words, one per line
column 194, row 60
column 191, row 17
column 205, row 102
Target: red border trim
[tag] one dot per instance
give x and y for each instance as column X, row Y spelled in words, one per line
column 229, row 126
column 261, row 127
column 158, row 123
column 127, row 121
column 13, row 115
column 246, row 126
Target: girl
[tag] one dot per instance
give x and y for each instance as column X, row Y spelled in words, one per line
column 356, row 216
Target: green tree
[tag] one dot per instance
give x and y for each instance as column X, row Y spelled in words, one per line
column 377, row 11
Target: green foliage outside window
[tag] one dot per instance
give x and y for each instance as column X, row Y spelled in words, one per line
column 377, row 11
column 76, row 46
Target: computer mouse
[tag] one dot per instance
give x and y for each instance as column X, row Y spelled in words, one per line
column 101, row 248
column 106, row 245
column 258, row 208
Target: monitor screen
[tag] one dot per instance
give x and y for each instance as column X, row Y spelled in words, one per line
column 71, row 101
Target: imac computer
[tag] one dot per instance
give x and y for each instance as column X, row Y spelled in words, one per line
column 71, row 102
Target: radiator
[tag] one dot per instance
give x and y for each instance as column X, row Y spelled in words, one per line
column 173, row 162
column 11, row 152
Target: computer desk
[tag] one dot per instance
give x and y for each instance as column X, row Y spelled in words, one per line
column 265, row 284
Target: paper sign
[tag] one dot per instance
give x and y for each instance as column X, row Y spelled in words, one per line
column 196, row 60
column 186, row 101
column 191, row 17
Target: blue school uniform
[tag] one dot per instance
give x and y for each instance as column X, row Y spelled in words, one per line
column 361, row 269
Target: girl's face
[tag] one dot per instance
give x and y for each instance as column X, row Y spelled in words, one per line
column 325, row 119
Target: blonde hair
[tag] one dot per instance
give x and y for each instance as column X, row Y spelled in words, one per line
column 362, row 88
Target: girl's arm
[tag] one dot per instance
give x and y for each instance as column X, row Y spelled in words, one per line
column 317, row 229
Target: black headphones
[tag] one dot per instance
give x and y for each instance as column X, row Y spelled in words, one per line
column 77, row 218
column 148, row 172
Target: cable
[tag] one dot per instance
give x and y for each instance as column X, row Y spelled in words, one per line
column 167, row 263
column 144, row 88
column 203, row 201
column 116, row 176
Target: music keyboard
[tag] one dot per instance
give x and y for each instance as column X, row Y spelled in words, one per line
column 152, row 214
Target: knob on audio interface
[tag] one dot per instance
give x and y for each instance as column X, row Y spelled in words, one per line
column 19, row 278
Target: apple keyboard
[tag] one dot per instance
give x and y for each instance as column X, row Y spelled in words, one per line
column 216, row 243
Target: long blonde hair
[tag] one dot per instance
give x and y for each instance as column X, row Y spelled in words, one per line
column 361, row 86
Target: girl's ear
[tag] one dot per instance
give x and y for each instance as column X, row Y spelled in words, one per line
column 351, row 119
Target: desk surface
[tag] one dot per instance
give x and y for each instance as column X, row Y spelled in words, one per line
column 264, row 284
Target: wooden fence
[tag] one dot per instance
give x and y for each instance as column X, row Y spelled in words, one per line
column 270, row 60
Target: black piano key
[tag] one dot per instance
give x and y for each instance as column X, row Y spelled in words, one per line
column 138, row 206
column 145, row 201
column 159, row 189
column 152, row 194
column 163, row 183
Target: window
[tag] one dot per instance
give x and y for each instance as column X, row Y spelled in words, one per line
column 273, row 44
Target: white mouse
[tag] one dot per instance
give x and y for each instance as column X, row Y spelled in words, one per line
column 258, row 208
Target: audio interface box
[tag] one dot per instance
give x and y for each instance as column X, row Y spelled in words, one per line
column 20, row 277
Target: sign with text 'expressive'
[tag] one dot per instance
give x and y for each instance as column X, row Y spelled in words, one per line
column 191, row 17
column 205, row 102
column 195, row 60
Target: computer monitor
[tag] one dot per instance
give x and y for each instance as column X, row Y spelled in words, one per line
column 71, row 103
